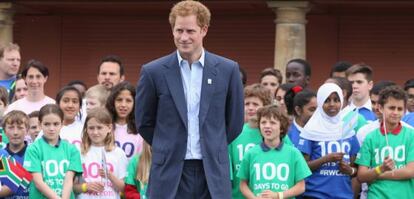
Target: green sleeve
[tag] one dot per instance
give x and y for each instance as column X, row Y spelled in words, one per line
column 301, row 167
column 244, row 171
column 32, row 162
column 132, row 172
column 75, row 160
column 364, row 155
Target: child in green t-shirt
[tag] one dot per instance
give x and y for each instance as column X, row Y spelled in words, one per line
column 53, row 162
column 273, row 169
column 255, row 97
column 386, row 158
column 138, row 174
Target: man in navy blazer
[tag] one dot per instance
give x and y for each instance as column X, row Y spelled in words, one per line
column 189, row 107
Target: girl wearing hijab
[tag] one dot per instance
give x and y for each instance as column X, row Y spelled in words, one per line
column 329, row 150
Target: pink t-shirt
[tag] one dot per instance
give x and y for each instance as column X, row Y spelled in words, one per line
column 130, row 143
column 27, row 106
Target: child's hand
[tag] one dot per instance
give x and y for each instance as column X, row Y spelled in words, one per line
column 267, row 194
column 334, row 157
column 345, row 168
column 102, row 173
column 95, row 187
column 388, row 164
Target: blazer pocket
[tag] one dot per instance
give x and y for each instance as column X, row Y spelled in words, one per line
column 223, row 157
column 158, row 158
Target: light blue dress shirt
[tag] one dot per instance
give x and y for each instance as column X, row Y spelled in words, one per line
column 192, row 80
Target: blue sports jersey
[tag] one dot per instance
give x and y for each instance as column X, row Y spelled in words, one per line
column 327, row 181
column 7, row 83
column 19, row 157
column 294, row 134
column 409, row 119
column 368, row 114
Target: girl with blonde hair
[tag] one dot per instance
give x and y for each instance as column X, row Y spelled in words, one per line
column 103, row 163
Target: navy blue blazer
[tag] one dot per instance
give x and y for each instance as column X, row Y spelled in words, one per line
column 161, row 119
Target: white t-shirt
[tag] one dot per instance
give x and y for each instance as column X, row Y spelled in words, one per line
column 72, row 133
column 27, row 106
column 116, row 162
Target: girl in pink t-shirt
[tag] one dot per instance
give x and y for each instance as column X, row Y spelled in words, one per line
column 121, row 105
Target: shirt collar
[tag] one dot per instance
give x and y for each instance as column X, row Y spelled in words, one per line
column 395, row 131
column 265, row 148
column 57, row 144
column 367, row 105
column 201, row 60
column 19, row 153
column 297, row 125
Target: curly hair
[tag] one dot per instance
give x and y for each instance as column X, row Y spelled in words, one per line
column 259, row 91
column 273, row 111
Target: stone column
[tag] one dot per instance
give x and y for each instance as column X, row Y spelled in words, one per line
column 6, row 23
column 290, row 39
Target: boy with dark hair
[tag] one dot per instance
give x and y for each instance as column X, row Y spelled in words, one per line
column 364, row 130
column 15, row 125
column 386, row 158
column 298, row 72
column 409, row 88
column 409, row 113
column 374, row 95
column 339, row 69
column 360, row 76
column 264, row 176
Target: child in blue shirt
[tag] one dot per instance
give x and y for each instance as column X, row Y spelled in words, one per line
column 329, row 151
column 15, row 125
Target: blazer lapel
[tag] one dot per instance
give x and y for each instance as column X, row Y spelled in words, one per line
column 207, row 86
column 175, row 85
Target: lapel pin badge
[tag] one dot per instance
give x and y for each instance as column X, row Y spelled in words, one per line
column 209, row 81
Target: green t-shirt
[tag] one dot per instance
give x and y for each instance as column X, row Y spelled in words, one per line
column 131, row 177
column 52, row 162
column 401, row 149
column 273, row 169
column 248, row 138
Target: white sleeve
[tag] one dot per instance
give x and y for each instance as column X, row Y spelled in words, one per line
column 122, row 164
